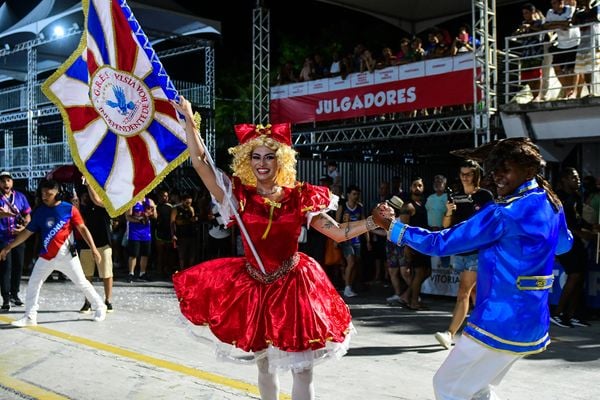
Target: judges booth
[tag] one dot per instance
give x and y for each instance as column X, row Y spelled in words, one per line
column 418, row 85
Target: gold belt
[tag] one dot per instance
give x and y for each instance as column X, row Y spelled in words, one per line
column 536, row 282
column 283, row 269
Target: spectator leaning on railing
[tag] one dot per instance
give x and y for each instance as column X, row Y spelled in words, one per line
column 567, row 39
column 533, row 50
column 587, row 59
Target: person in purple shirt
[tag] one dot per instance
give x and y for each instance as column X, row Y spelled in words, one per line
column 14, row 217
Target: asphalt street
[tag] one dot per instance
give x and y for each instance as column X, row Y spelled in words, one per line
column 144, row 351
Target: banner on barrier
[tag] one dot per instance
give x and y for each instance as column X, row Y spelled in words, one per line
column 426, row 84
column 444, row 279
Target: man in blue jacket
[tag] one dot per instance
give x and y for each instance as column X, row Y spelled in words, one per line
column 517, row 238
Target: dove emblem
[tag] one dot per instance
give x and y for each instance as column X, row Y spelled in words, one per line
column 123, row 101
column 122, row 104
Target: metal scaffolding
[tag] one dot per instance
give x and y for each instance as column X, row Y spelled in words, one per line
column 381, row 131
column 23, row 107
column 209, row 124
column 32, row 136
column 261, row 47
column 478, row 122
column 485, row 70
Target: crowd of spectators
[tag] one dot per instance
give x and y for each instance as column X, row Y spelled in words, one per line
column 185, row 230
column 568, row 33
column 439, row 43
column 567, row 37
column 387, row 270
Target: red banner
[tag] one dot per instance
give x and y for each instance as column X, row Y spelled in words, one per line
column 363, row 95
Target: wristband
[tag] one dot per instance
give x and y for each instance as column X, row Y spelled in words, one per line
column 396, row 232
column 370, row 224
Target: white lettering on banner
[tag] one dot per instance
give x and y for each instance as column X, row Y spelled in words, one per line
column 368, row 100
column 443, row 278
column 443, row 281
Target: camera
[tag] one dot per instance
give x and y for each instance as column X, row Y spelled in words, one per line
column 450, row 194
column 19, row 220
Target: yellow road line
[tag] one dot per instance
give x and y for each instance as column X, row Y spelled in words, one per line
column 28, row 389
column 204, row 375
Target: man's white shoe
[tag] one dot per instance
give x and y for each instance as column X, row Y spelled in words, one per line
column 23, row 322
column 100, row 313
column 445, row 339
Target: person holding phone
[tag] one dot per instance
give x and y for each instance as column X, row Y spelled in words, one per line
column 460, row 207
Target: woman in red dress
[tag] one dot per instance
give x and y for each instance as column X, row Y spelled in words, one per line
column 289, row 315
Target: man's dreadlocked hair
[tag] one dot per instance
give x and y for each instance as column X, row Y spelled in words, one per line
column 524, row 152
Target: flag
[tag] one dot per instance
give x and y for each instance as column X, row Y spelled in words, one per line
column 113, row 94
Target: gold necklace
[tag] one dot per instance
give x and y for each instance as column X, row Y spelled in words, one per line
column 272, row 191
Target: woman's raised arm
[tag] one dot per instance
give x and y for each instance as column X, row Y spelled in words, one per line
column 197, row 149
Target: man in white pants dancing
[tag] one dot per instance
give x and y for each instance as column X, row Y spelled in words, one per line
column 55, row 221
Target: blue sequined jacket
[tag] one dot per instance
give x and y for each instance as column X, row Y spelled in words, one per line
column 517, row 239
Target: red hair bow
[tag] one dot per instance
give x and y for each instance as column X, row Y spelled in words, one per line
column 279, row 132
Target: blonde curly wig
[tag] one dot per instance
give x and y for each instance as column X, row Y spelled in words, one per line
column 286, row 161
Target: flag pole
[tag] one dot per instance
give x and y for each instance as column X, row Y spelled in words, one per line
column 233, row 206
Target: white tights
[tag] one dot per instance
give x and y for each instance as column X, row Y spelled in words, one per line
column 303, row 388
column 268, row 383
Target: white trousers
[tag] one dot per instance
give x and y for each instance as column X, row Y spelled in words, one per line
column 471, row 371
column 68, row 265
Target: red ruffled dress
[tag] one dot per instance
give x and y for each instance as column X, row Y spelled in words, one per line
column 293, row 311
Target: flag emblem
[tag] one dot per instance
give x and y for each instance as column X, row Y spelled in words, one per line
column 123, row 101
column 113, row 94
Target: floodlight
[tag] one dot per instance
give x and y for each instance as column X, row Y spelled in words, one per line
column 59, row 31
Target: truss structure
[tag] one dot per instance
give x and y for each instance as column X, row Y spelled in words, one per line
column 485, row 70
column 32, row 137
column 38, row 157
column 23, row 115
column 261, row 47
column 40, row 40
column 209, row 100
column 381, row 131
column 479, row 123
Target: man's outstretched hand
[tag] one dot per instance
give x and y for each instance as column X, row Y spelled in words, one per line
column 383, row 215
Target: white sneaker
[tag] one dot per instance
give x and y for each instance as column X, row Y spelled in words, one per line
column 100, row 313
column 23, row 322
column 349, row 293
column 394, row 299
column 445, row 339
